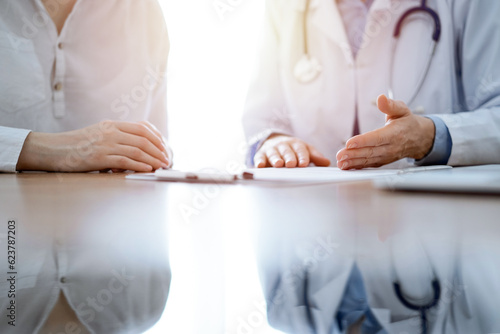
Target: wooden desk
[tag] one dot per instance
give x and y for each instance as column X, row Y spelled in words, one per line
column 216, row 230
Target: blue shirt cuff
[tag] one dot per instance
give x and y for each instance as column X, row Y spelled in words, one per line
column 251, row 153
column 441, row 150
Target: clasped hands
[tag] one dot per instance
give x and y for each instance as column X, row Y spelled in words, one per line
column 404, row 135
column 108, row 145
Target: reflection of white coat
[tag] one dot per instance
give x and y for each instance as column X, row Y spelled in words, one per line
column 303, row 296
column 464, row 74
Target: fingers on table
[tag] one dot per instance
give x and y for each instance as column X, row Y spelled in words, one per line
column 143, row 137
column 120, row 162
column 141, row 149
column 260, row 160
column 158, row 134
column 143, row 130
column 377, row 137
column 290, row 155
column 360, row 163
column 283, row 155
column 318, row 158
column 302, row 153
column 287, row 155
column 274, row 157
column 166, row 147
column 374, row 156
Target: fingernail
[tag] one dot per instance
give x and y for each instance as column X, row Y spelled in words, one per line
column 278, row 161
column 164, row 166
column 345, row 165
column 353, row 145
column 345, row 157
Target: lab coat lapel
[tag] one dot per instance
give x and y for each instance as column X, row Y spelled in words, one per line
column 325, row 301
column 326, row 16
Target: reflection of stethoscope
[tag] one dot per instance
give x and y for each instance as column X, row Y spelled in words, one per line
column 424, row 307
column 308, row 67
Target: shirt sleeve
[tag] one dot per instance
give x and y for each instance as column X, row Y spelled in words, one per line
column 441, row 149
column 475, row 124
column 11, row 144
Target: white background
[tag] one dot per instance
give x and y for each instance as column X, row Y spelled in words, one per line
column 212, row 56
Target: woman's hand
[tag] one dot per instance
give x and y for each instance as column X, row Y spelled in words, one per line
column 112, row 145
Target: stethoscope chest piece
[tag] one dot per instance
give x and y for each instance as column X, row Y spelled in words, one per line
column 307, row 69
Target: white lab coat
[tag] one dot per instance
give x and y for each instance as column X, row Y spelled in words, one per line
column 462, row 86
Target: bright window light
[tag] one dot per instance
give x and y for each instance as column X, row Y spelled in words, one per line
column 213, row 50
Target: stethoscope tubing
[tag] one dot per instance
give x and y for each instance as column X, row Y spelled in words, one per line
column 397, row 32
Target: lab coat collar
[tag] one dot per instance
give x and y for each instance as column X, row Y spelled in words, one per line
column 326, row 16
column 300, row 5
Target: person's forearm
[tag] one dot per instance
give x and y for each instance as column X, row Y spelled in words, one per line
column 115, row 145
column 34, row 154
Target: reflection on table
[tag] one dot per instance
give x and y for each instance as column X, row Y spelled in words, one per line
column 91, row 254
column 312, row 258
column 380, row 262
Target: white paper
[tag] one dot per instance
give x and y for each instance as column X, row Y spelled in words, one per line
column 329, row 174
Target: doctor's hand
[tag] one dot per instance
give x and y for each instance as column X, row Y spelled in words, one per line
column 285, row 151
column 404, row 135
column 108, row 145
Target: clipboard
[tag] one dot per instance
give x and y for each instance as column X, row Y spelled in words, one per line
column 172, row 175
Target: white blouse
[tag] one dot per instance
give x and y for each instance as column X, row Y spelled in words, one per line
column 109, row 62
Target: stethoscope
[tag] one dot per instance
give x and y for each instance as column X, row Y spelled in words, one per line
column 309, row 68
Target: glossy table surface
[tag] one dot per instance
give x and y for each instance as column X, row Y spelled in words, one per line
column 231, row 248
